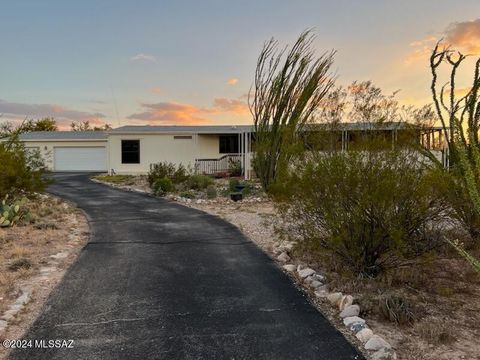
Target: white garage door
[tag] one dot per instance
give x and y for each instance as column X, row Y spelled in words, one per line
column 80, row 159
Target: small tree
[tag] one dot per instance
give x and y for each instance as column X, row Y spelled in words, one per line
column 288, row 89
column 460, row 118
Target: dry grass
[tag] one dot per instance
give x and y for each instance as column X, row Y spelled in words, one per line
column 25, row 248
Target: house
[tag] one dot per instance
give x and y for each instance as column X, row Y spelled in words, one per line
column 132, row 149
column 206, row 149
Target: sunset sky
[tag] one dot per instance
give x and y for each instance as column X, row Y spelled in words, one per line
column 192, row 62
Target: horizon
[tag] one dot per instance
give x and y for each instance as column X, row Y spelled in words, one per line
column 186, row 63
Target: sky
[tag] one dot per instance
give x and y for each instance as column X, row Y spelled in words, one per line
column 192, row 62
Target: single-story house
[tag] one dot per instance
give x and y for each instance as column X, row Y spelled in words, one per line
column 206, row 149
column 132, row 149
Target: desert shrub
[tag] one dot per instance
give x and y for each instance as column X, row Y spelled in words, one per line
column 199, row 182
column 115, row 179
column 187, row 194
column 371, row 210
column 397, row 309
column 232, row 183
column 21, row 171
column 435, row 331
column 177, row 174
column 162, row 186
column 211, row 192
column 21, row 263
column 234, row 167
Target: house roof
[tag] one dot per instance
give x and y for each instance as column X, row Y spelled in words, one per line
column 63, row 135
column 203, row 129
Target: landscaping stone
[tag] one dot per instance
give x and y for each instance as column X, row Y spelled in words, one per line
column 308, row 280
column 300, row 267
column 376, row 343
column 60, row 255
column 384, row 354
column 315, row 284
column 334, row 297
column 356, row 327
column 306, row 272
column 3, row 325
column 364, row 335
column 350, row 310
column 348, row 321
column 345, row 301
column 289, row 267
column 319, row 277
column 283, row 257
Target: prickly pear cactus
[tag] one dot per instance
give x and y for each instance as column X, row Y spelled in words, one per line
column 12, row 213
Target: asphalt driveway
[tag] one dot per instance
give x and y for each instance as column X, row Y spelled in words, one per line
column 163, row 281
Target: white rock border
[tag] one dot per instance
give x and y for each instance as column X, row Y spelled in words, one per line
column 378, row 347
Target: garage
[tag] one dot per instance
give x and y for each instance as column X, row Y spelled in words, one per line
column 80, row 158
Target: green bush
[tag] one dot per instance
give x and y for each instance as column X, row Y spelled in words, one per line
column 187, row 194
column 21, row 171
column 234, row 167
column 372, row 210
column 178, row 174
column 232, row 183
column 163, row 186
column 199, row 182
column 211, row 192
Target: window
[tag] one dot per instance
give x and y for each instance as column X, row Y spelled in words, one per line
column 130, row 151
column 182, row 137
column 228, row 144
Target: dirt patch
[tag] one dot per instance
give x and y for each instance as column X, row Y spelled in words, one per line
column 35, row 257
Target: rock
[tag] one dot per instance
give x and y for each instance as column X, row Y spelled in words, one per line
column 289, row 267
column 3, row 325
column 306, row 272
column 9, row 314
column 384, row 354
column 60, row 255
column 350, row 310
column 356, row 327
column 321, row 292
column 348, row 321
column 318, row 277
column 283, row 257
column 345, row 301
column 300, row 267
column 334, row 297
column 315, row 284
column 376, row 343
column 364, row 335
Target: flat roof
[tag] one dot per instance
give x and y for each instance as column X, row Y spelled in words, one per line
column 63, row 135
column 199, row 129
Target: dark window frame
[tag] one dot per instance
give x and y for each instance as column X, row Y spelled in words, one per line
column 182, row 137
column 130, row 156
column 228, row 144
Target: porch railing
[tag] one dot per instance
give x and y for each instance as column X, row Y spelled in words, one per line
column 216, row 166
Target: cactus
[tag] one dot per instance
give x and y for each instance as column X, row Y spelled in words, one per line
column 12, row 213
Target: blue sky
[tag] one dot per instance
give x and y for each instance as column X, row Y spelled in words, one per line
column 169, row 62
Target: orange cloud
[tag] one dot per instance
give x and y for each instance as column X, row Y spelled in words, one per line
column 464, row 35
column 230, row 105
column 423, row 49
column 156, row 90
column 177, row 113
column 233, row 81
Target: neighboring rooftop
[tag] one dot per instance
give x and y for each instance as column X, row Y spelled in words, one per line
column 200, row 129
column 64, row 135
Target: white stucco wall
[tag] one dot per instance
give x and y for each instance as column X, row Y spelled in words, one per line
column 47, row 152
column 155, row 148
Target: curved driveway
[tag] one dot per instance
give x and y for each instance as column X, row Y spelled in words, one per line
column 162, row 281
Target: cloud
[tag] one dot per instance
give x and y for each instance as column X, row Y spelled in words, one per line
column 233, row 81
column 422, row 50
column 156, row 90
column 177, row 113
column 464, row 35
column 143, row 57
column 230, row 105
column 20, row 110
